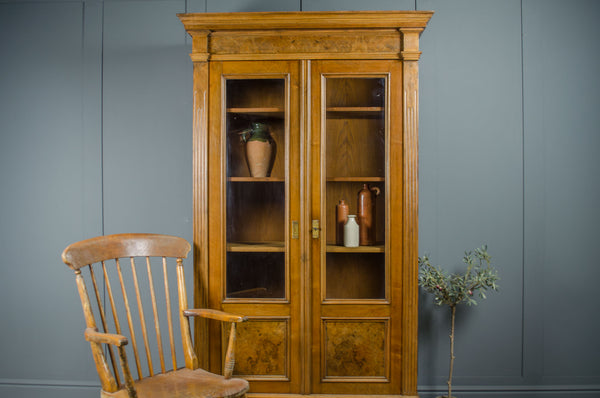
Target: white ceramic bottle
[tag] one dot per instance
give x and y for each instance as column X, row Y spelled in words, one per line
column 351, row 232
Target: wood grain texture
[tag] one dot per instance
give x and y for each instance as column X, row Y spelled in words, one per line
column 351, row 279
column 410, row 223
column 185, row 383
column 360, row 276
column 200, row 197
column 214, row 314
column 256, row 212
column 356, row 349
column 107, row 379
column 102, row 313
column 105, row 338
column 297, row 43
column 305, row 20
column 262, row 348
column 101, row 248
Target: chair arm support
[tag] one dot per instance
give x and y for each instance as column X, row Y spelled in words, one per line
column 224, row 317
column 214, row 314
column 95, row 336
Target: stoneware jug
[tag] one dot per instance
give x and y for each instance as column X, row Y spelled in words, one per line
column 351, row 232
column 341, row 216
column 366, row 214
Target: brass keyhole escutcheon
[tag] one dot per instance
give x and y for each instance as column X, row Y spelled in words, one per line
column 315, row 229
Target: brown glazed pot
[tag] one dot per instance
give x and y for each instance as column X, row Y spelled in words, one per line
column 366, row 215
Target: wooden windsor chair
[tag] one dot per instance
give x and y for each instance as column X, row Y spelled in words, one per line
column 106, row 254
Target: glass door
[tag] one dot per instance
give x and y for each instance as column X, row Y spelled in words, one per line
column 256, row 188
column 355, row 159
column 255, row 164
column 352, row 273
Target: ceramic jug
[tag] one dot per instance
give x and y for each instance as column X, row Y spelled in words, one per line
column 351, row 232
column 366, row 214
column 341, row 216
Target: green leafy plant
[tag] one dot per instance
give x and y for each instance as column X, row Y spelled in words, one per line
column 454, row 289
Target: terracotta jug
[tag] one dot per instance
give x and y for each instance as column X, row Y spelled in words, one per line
column 366, row 214
column 341, row 216
column 260, row 149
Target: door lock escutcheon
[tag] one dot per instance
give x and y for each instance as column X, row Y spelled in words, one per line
column 316, row 227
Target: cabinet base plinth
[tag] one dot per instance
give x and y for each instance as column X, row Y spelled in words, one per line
column 277, row 395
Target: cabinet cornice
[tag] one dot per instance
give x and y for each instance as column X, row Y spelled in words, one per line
column 306, row 20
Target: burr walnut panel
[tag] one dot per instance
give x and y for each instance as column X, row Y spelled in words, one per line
column 284, row 44
column 262, row 348
column 356, row 348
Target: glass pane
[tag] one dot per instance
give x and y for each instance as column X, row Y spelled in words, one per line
column 355, row 128
column 255, row 275
column 355, row 276
column 355, row 186
column 256, row 197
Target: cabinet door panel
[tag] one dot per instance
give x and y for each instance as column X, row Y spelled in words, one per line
column 355, row 350
column 253, row 255
column 263, row 349
column 353, row 141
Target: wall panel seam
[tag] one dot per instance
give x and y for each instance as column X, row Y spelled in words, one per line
column 523, row 190
column 513, row 388
column 49, row 383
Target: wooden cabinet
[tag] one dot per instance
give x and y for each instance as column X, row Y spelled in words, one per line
column 338, row 92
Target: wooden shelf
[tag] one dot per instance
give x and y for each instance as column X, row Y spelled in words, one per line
column 360, row 249
column 355, row 179
column 355, row 111
column 256, row 247
column 277, row 112
column 358, row 109
column 256, row 179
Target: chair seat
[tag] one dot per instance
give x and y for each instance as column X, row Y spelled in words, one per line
column 186, row 383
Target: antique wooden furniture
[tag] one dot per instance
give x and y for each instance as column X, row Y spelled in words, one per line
column 111, row 257
column 339, row 94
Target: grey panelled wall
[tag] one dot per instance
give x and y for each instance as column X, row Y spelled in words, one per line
column 95, row 137
column 471, row 182
column 147, row 128
column 562, row 191
column 50, row 185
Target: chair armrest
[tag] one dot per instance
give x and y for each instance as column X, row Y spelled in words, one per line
column 214, row 314
column 224, row 317
column 95, row 336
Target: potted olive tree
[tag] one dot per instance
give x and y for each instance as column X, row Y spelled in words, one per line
column 454, row 289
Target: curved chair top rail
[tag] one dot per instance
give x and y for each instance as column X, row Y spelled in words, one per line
column 109, row 247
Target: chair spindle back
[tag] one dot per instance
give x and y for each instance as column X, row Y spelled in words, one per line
column 122, row 270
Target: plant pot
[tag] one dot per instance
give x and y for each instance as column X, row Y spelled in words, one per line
column 259, row 156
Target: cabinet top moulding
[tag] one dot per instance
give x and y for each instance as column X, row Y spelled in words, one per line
column 305, row 35
column 305, row 20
